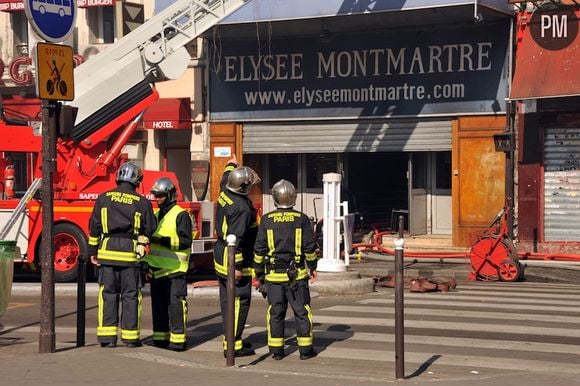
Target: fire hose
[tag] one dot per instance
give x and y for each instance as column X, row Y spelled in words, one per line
column 530, row 258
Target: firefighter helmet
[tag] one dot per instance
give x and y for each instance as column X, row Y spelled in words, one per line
column 130, row 172
column 164, row 186
column 284, row 194
column 241, row 180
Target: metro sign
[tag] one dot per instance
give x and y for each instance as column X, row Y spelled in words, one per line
column 554, row 30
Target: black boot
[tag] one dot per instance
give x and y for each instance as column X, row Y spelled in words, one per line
column 311, row 353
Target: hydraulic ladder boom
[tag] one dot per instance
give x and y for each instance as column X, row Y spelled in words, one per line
column 155, row 51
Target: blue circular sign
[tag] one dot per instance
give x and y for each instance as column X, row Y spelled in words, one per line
column 52, row 20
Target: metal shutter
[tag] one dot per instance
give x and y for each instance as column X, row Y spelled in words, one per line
column 362, row 136
column 562, row 184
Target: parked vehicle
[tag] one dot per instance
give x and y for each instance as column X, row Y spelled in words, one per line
column 112, row 90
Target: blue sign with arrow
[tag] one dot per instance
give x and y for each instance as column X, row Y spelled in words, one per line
column 52, row 20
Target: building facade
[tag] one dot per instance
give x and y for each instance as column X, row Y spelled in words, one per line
column 545, row 91
column 402, row 99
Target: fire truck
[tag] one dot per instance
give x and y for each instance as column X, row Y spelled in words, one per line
column 112, row 90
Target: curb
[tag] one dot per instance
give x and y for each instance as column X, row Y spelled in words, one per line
column 344, row 287
column 324, row 286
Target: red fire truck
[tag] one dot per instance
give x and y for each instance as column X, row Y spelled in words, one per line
column 112, row 90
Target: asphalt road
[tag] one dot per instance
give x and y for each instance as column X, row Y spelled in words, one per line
column 481, row 333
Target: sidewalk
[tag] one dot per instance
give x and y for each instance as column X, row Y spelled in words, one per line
column 360, row 276
column 93, row 365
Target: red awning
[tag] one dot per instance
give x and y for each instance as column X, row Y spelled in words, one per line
column 18, row 5
column 547, row 67
column 168, row 113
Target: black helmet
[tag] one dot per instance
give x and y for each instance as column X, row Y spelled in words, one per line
column 129, row 172
column 164, row 186
column 284, row 194
column 241, row 180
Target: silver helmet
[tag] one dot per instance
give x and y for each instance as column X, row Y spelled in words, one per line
column 164, row 186
column 284, row 194
column 129, row 172
column 241, row 180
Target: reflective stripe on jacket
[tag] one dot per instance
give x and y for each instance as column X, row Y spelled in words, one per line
column 105, row 252
column 285, row 236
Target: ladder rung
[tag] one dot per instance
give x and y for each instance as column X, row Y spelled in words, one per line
column 20, row 207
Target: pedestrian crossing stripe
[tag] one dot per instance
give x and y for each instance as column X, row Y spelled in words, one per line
column 499, row 304
column 477, row 327
column 387, row 356
column 459, row 314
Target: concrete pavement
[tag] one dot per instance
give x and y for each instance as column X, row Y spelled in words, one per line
column 21, row 364
column 93, row 365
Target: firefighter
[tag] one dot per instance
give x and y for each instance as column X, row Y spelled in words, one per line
column 168, row 262
column 285, row 258
column 236, row 215
column 119, row 227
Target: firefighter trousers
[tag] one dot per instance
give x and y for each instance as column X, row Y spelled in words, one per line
column 298, row 295
column 243, row 298
column 169, row 308
column 119, row 285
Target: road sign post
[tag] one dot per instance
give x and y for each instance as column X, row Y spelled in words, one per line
column 47, row 336
column 53, row 21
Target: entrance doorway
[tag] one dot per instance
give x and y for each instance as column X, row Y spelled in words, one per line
column 430, row 193
column 376, row 184
column 441, row 219
column 305, row 172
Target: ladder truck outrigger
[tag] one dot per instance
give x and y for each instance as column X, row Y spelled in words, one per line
column 112, row 90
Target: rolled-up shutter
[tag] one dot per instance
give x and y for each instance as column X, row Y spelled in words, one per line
column 562, row 184
column 360, row 136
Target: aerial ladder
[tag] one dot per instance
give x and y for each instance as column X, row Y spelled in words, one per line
column 21, row 208
column 114, row 86
column 112, row 90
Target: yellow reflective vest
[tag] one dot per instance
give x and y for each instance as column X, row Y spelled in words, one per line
column 167, row 261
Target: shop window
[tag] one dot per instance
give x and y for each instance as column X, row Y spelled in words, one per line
column 316, row 166
column 174, row 138
column 420, row 170
column 101, row 25
column 443, row 175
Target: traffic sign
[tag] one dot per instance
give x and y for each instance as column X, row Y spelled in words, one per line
column 52, row 20
column 55, row 72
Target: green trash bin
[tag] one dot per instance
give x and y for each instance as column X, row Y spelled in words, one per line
column 8, row 252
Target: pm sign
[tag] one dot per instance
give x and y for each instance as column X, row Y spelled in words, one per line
column 52, row 20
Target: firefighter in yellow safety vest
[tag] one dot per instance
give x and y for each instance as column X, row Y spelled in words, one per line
column 168, row 261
